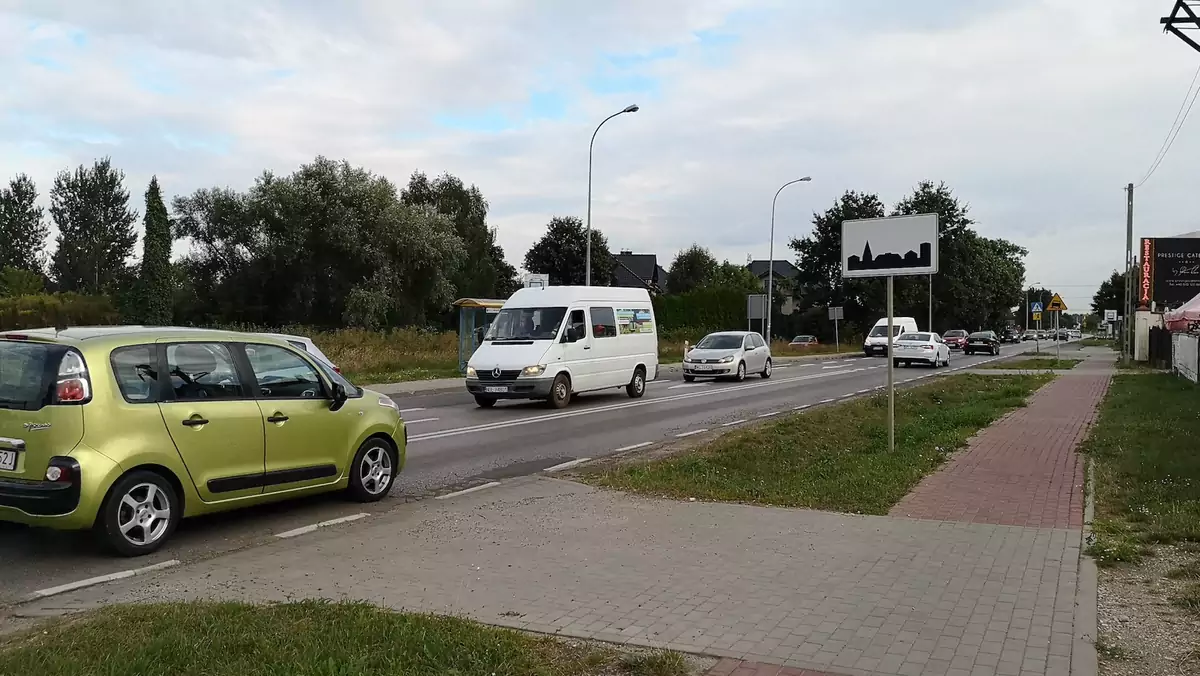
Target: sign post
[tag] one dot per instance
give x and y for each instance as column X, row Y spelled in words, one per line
column 887, row 247
column 1036, row 309
column 1057, row 306
column 756, row 308
column 835, row 313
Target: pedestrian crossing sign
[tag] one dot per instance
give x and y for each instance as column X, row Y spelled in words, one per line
column 1057, row 304
column 1037, row 307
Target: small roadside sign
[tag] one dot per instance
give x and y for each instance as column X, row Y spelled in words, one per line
column 1110, row 315
column 835, row 313
column 1037, row 316
column 1057, row 304
column 1036, row 307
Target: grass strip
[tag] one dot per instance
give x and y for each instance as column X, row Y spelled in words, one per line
column 1034, row 364
column 833, row 458
column 308, row 638
column 1147, row 468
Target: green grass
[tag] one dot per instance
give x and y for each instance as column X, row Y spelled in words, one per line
column 1034, row 364
column 1188, row 571
column 833, row 458
column 310, row 638
column 1189, row 598
column 1147, row 469
column 1112, row 651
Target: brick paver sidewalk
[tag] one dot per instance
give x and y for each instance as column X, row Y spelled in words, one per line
column 1021, row 471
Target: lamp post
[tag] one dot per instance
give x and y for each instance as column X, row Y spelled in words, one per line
column 771, row 256
column 588, row 265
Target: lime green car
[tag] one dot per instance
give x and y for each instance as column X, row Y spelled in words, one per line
column 125, row 430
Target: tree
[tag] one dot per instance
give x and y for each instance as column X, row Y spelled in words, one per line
column 20, row 282
column 561, row 253
column 736, row 277
column 692, row 268
column 486, row 273
column 156, row 279
column 1110, row 295
column 95, row 225
column 22, row 226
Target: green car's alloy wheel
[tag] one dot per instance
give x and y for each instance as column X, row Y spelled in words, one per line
column 372, row 471
column 139, row 514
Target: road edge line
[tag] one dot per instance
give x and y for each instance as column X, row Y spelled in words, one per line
column 567, row 465
column 303, row 530
column 472, row 489
column 100, row 579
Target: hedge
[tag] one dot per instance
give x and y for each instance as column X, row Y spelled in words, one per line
column 57, row 309
column 703, row 309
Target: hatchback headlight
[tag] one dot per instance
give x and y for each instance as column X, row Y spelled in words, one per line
column 533, row 370
column 726, row 360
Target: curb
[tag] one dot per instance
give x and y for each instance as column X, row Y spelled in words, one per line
column 1084, row 661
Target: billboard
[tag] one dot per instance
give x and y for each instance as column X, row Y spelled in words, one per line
column 1168, row 271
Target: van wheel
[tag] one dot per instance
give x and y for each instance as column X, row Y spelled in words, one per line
column 637, row 387
column 484, row 402
column 560, row 391
column 766, row 372
column 139, row 514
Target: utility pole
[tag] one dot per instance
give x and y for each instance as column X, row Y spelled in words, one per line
column 1127, row 326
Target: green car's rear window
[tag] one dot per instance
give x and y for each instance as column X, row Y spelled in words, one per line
column 25, row 373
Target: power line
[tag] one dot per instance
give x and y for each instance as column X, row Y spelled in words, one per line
column 1180, row 118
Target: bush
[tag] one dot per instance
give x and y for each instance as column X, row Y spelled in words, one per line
column 56, row 309
column 701, row 311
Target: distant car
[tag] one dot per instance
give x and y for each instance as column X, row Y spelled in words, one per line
column 804, row 341
column 927, row 348
column 1009, row 335
column 306, row 344
column 1029, row 335
column 982, row 341
column 728, row 354
column 955, row 339
column 1062, row 334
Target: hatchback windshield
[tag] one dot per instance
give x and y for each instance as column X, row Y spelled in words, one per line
column 919, row 337
column 983, row 335
column 527, row 323
column 718, row 341
column 881, row 330
column 956, row 333
column 23, row 373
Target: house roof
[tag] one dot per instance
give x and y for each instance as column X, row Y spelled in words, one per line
column 636, row 270
column 783, row 268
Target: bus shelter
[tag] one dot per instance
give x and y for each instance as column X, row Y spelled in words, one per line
column 475, row 315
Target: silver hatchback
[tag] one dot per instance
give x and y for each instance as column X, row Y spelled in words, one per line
column 728, row 354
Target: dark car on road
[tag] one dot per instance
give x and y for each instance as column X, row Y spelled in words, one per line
column 982, row 341
column 955, row 339
column 1010, row 335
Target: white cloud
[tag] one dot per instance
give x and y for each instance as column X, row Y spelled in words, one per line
column 1036, row 113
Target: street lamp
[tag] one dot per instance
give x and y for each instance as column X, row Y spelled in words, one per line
column 771, row 256
column 588, row 265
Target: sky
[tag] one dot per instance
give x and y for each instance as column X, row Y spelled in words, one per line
column 1035, row 112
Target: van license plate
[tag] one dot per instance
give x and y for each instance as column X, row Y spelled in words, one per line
column 495, row 389
column 8, row 461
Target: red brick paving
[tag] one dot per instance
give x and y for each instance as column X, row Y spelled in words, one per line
column 1021, row 471
column 732, row 667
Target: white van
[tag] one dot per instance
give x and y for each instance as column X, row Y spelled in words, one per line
column 876, row 343
column 552, row 342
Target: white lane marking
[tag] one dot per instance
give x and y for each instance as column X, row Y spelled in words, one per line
column 825, row 401
column 313, row 526
column 487, row 427
column 801, row 407
column 472, row 489
column 846, row 396
column 420, row 420
column 863, row 391
column 676, row 387
column 411, row 410
column 566, row 465
column 731, row 423
column 101, row 579
column 836, row 366
column 681, row 435
column 634, row 447
column 768, row 415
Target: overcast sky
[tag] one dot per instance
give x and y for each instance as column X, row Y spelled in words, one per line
column 1036, row 112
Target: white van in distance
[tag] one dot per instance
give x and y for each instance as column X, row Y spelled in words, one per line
column 876, row 343
column 551, row 343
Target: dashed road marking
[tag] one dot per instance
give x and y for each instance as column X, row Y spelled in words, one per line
column 567, row 465
column 676, row 387
column 100, row 579
column 411, row 410
column 633, row 447
column 313, row 526
column 801, row 407
column 825, row 401
column 681, row 435
column 472, row 489
column 768, row 415
column 420, row 420
column 731, row 423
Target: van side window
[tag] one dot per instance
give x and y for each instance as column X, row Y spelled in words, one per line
column 579, row 323
column 634, row 321
column 604, row 322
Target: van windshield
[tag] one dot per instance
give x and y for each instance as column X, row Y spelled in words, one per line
column 24, row 376
column 526, row 323
column 881, row 330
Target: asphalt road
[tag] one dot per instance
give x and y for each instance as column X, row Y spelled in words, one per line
column 454, row 445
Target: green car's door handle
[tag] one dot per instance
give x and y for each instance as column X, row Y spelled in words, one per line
column 277, row 418
column 195, row 422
